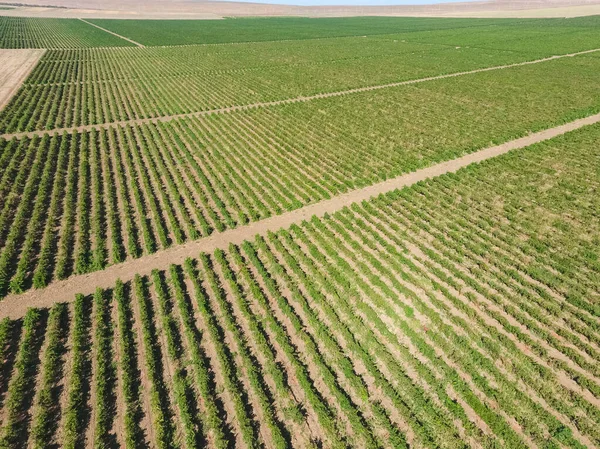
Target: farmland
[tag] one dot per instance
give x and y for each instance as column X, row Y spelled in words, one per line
column 178, row 32
column 195, row 176
column 82, row 86
column 163, row 82
column 458, row 311
column 16, row 32
column 471, row 326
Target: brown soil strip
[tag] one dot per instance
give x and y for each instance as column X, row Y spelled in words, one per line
column 114, row 34
column 15, row 306
column 15, row 66
column 167, row 118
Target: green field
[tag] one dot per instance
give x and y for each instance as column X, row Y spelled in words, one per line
column 200, row 175
column 460, row 31
column 21, row 32
column 106, row 85
column 186, row 32
column 461, row 311
column 399, row 319
column 94, row 86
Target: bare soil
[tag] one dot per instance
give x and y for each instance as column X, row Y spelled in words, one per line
column 15, row 66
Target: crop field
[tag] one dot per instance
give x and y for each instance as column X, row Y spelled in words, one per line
column 94, row 86
column 458, row 309
column 112, row 194
column 17, row 32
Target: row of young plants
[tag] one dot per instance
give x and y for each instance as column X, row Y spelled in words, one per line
column 201, row 379
column 76, row 411
column 63, row 254
column 104, row 371
column 45, row 421
column 19, row 395
column 42, row 274
column 195, row 430
column 129, row 373
column 161, row 408
column 249, row 369
column 531, row 371
column 228, row 367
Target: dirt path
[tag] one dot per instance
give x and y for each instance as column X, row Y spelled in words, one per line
column 114, row 34
column 167, row 118
column 15, row 66
column 15, row 306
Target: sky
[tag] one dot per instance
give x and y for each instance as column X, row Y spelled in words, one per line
column 352, row 2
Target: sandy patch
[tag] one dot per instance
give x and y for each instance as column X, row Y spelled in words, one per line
column 168, row 118
column 15, row 65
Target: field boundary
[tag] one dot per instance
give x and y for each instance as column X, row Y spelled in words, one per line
column 15, row 306
column 113, row 33
column 167, row 118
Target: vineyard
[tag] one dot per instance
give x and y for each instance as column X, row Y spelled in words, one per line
column 460, row 311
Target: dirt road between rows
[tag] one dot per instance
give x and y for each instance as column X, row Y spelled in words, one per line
column 15, row 66
column 15, row 306
column 167, row 118
column 113, row 33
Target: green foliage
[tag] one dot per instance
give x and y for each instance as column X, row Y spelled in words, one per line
column 182, row 32
column 27, row 32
